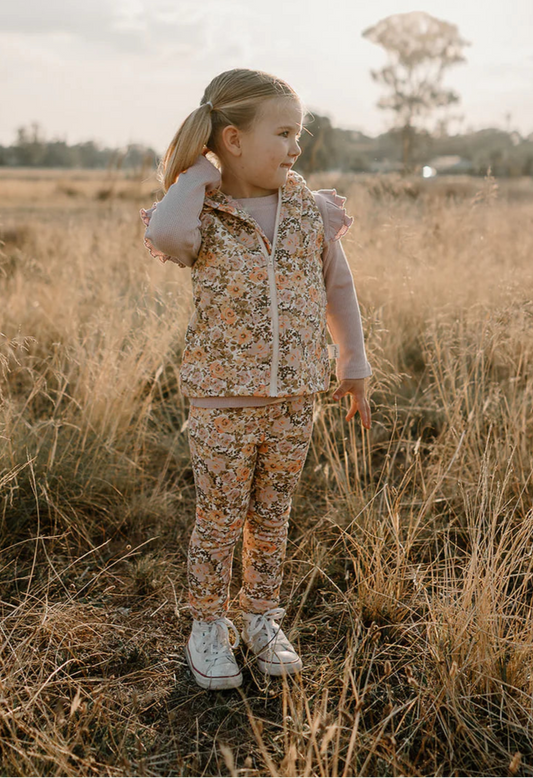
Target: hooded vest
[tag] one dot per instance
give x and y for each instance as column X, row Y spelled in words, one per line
column 259, row 322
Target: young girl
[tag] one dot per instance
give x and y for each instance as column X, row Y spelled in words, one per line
column 269, row 278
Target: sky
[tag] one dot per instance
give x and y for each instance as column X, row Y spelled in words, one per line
column 130, row 71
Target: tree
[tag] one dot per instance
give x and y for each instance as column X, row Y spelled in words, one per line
column 420, row 49
column 318, row 146
column 30, row 145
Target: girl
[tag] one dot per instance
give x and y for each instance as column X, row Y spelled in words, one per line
column 269, row 277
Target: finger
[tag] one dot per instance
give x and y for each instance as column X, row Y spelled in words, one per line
column 338, row 394
column 354, row 407
column 366, row 416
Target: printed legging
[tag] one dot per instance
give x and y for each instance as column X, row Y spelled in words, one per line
column 247, row 463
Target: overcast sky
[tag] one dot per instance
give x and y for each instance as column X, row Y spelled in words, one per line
column 121, row 71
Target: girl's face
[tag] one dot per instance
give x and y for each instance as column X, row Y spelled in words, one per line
column 262, row 156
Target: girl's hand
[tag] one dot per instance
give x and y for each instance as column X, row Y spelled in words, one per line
column 357, row 389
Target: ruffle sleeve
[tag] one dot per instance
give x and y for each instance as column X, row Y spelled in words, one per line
column 146, row 215
column 336, row 220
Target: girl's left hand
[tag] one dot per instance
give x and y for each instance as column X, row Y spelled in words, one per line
column 356, row 387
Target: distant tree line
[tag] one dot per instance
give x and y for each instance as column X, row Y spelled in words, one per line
column 32, row 149
column 324, row 147
column 331, row 148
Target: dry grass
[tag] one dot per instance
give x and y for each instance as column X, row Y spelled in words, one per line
column 409, row 574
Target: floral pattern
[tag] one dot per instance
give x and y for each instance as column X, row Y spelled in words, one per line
column 229, row 343
column 247, row 463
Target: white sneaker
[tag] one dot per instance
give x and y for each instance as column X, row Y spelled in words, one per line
column 209, row 653
column 275, row 655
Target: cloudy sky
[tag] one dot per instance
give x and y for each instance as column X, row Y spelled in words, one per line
column 121, row 71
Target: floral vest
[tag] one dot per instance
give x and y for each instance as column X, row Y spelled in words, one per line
column 259, row 321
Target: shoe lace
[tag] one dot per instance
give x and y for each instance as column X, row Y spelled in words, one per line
column 216, row 641
column 264, row 625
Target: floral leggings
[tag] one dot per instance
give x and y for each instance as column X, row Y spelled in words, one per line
column 247, row 463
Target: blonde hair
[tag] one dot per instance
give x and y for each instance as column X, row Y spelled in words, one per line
column 232, row 98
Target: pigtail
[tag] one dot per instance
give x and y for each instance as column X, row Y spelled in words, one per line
column 188, row 142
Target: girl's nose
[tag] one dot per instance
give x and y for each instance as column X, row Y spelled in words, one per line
column 295, row 150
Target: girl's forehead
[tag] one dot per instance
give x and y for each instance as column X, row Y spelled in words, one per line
column 282, row 111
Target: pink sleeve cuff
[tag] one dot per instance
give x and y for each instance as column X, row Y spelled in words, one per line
column 146, row 215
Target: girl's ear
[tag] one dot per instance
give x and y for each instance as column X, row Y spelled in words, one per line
column 230, row 140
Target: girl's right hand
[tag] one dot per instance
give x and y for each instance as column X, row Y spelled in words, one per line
column 356, row 387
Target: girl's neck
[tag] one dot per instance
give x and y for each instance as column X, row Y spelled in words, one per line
column 234, row 186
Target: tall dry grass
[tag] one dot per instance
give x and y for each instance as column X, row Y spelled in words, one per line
column 409, row 573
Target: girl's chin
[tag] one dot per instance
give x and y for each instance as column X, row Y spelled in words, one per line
column 273, row 182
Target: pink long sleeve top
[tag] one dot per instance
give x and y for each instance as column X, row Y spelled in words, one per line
column 173, row 233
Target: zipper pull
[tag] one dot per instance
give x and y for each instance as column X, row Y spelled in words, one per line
column 269, row 256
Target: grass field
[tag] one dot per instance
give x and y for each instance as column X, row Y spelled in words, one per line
column 409, row 577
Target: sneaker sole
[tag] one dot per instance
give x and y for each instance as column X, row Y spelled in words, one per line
column 206, row 682
column 278, row 669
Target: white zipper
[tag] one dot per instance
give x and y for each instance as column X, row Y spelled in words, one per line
column 273, row 303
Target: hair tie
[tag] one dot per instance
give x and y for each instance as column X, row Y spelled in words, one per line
column 210, row 104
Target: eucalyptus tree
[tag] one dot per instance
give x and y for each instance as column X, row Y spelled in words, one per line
column 420, row 49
